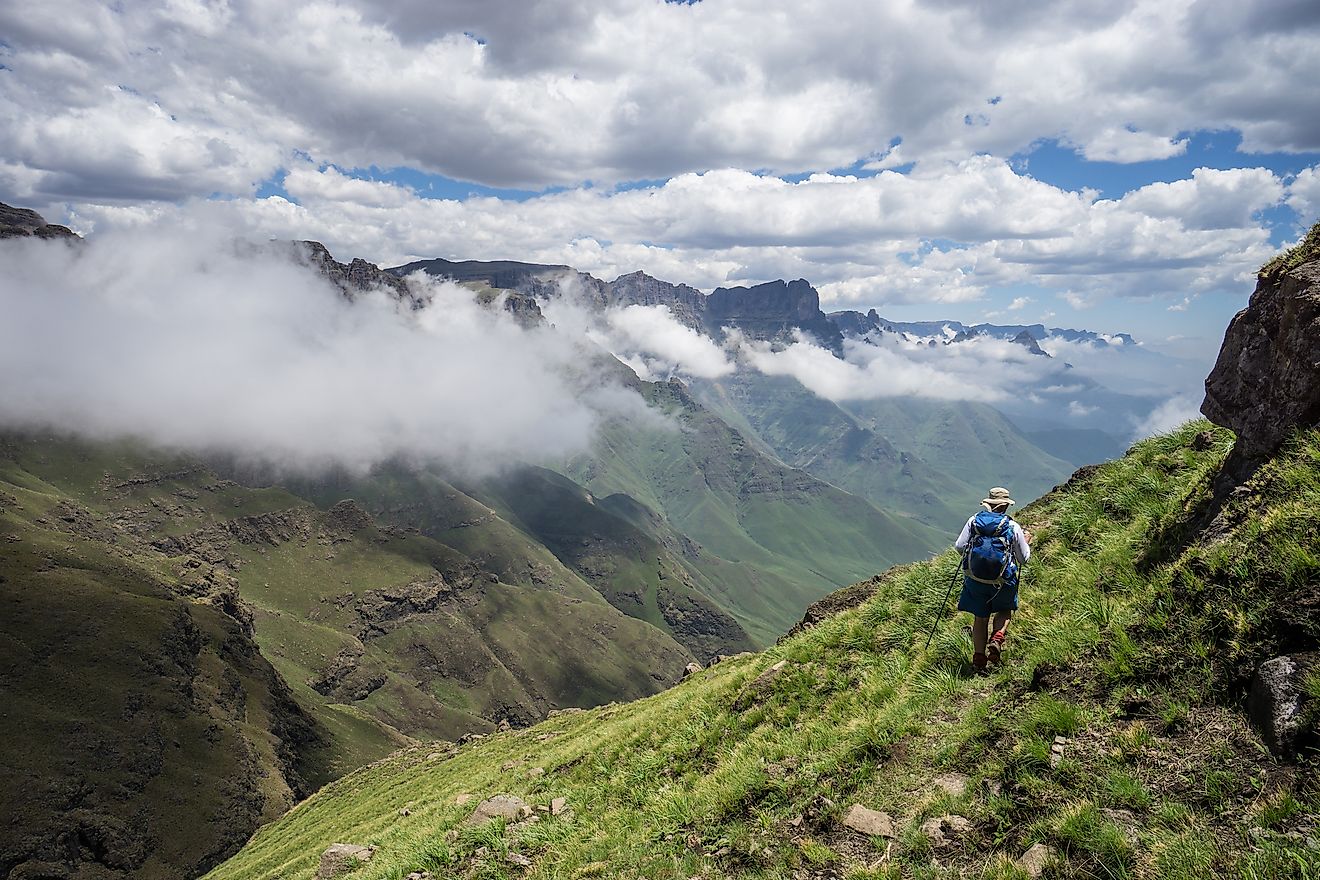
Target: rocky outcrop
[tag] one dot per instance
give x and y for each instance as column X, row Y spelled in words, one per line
column 1266, row 382
column 772, row 311
column 1278, row 706
column 354, row 278
column 686, row 304
column 25, row 223
column 1027, row 341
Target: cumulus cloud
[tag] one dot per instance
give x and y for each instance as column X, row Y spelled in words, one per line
column 187, row 339
column 1304, row 195
column 558, row 92
column 945, row 235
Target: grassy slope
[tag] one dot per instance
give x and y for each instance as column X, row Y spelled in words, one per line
column 773, row 539
column 1133, row 641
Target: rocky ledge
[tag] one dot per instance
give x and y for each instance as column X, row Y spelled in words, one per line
column 1266, row 382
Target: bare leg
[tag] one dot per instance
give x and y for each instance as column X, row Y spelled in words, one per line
column 980, row 633
column 1001, row 621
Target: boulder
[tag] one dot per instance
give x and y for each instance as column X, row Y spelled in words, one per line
column 691, row 669
column 341, row 858
column 501, row 806
column 1266, row 381
column 864, row 820
column 1276, row 703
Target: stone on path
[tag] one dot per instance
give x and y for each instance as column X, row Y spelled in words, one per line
column 340, row 858
column 558, row 806
column 946, row 830
column 1034, row 860
column 501, row 806
column 867, row 821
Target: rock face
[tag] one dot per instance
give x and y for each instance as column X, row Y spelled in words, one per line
column 23, row 222
column 1277, row 700
column 773, row 311
column 1267, row 379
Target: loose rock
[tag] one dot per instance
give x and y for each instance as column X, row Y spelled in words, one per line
column 1275, row 703
column 691, row 669
column 864, row 820
column 501, row 806
column 341, row 858
column 558, row 805
column 946, row 830
column 1034, row 861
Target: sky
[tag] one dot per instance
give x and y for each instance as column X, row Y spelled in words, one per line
column 1124, row 166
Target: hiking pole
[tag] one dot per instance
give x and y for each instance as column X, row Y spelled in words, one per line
column 936, row 623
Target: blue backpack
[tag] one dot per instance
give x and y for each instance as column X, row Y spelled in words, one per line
column 989, row 558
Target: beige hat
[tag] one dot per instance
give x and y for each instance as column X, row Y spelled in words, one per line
column 998, row 495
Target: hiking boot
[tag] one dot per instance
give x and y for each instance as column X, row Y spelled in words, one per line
column 978, row 664
column 996, row 647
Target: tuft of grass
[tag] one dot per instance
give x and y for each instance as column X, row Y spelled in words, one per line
column 1304, row 251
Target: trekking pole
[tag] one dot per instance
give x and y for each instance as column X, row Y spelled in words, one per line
column 936, row 623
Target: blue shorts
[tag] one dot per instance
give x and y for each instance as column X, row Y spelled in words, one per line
column 982, row 600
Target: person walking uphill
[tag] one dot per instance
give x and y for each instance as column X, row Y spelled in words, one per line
column 994, row 547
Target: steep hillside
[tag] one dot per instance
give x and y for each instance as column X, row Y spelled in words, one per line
column 771, row 539
column 144, row 732
column 925, row 458
column 1112, row 744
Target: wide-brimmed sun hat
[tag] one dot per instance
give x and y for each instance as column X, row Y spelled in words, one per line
column 998, row 495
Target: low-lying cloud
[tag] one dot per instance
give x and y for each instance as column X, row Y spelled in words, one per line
column 186, row 338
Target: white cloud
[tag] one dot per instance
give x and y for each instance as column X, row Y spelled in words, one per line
column 1019, row 303
column 557, row 92
column 889, row 367
column 173, row 333
column 861, row 241
column 1173, row 412
column 653, row 340
column 1304, row 195
column 1077, row 409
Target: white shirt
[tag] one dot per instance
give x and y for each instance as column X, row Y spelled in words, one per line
column 1020, row 546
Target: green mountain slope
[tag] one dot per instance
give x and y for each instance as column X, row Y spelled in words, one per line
column 1114, row 737
column 831, row 443
column 929, row 459
column 772, row 539
column 971, row 442
column 143, row 731
column 384, row 623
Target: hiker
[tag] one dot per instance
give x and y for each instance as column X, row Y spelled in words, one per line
column 993, row 547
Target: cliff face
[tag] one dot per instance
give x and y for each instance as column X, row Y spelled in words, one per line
column 1266, row 382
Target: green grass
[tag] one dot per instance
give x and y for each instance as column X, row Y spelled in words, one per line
column 1132, row 644
column 1304, row 251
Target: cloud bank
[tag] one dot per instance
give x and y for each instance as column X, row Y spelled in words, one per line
column 184, row 338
